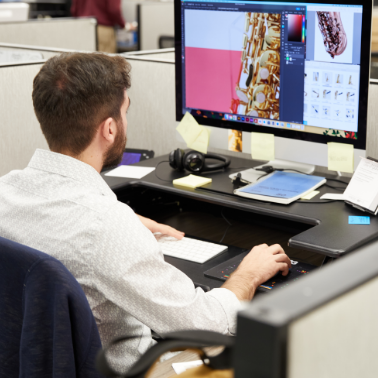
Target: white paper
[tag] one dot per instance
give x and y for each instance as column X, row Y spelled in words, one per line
column 130, row 171
column 180, row 367
column 169, row 355
column 363, row 187
column 333, row 196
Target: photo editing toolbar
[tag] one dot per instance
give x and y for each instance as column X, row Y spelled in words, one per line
column 283, row 65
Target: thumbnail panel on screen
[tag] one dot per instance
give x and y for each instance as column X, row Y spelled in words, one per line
column 332, row 69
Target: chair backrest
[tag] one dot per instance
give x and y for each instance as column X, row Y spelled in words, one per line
column 47, row 328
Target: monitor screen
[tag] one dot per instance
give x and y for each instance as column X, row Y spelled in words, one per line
column 298, row 70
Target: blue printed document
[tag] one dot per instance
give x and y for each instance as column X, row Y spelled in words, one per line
column 281, row 187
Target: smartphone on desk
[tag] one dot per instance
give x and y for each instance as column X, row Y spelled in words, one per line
column 134, row 155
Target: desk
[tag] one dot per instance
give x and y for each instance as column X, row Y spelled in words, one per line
column 321, row 228
column 164, row 369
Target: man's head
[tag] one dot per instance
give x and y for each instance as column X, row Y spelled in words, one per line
column 76, row 95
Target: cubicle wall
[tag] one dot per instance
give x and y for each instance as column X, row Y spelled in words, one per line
column 322, row 326
column 152, row 122
column 65, row 33
column 12, row 53
column 19, row 128
column 129, row 9
column 155, row 19
column 151, row 118
column 10, row 11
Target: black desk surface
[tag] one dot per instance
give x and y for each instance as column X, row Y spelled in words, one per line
column 330, row 235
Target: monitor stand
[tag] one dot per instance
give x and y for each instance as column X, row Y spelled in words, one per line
column 250, row 176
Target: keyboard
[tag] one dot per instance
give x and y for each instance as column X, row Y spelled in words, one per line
column 298, row 269
column 189, row 249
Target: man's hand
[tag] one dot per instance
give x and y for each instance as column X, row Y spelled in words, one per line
column 262, row 263
column 162, row 228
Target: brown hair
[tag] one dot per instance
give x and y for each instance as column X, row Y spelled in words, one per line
column 74, row 93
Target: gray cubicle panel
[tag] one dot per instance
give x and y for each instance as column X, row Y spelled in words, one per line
column 11, row 12
column 64, row 33
column 129, row 9
column 159, row 55
column 151, row 121
column 19, row 129
column 324, row 325
column 12, row 53
column 151, row 118
column 155, row 19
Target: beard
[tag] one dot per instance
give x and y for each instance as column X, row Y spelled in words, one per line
column 114, row 153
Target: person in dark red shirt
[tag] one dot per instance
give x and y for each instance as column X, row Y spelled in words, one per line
column 108, row 14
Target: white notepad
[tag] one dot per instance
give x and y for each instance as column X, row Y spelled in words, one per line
column 362, row 191
column 130, row 171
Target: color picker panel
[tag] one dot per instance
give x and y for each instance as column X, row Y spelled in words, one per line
column 295, row 23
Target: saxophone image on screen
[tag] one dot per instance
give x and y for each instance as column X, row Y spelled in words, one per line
column 332, row 29
column 258, row 85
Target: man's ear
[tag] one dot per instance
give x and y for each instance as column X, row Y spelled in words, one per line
column 108, row 129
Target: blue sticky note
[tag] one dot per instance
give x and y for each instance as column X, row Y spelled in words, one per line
column 359, row 220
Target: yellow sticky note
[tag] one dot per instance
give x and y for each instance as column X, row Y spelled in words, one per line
column 189, row 128
column 192, row 181
column 310, row 195
column 262, row 146
column 340, row 157
column 209, row 132
column 201, row 142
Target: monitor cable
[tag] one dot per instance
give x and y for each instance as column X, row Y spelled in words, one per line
column 229, row 225
column 164, row 161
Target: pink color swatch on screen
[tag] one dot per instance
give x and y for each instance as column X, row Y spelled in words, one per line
column 211, row 76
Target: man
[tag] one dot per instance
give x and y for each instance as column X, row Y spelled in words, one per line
column 108, row 14
column 61, row 205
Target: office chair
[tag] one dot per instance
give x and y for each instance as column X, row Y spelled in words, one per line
column 180, row 340
column 47, row 328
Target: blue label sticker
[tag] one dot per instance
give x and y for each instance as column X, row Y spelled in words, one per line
column 359, row 220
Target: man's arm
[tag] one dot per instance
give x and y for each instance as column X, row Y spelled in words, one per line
column 162, row 228
column 262, row 263
column 130, row 271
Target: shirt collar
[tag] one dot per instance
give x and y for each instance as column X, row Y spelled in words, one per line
column 68, row 166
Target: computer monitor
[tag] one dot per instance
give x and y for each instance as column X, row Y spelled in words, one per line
column 299, row 70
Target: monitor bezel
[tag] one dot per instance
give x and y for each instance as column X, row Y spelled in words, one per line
column 360, row 143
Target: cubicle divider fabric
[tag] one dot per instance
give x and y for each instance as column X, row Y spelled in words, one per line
column 155, row 19
column 151, row 118
column 16, row 53
column 66, row 33
column 19, row 128
column 152, row 121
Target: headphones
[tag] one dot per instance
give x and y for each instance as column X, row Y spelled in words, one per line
column 194, row 161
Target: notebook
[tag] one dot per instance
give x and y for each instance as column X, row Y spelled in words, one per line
column 362, row 191
column 281, row 187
